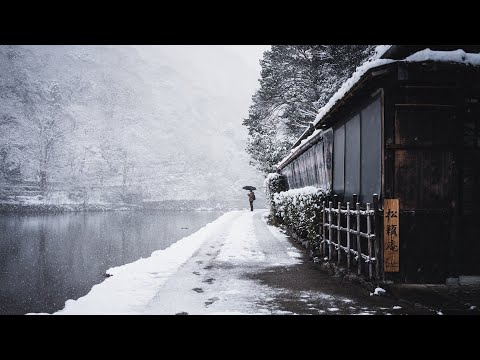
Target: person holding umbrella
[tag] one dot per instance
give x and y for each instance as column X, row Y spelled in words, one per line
column 251, row 195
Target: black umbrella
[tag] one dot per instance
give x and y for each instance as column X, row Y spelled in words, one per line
column 248, row 187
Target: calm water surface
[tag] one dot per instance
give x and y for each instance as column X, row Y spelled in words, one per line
column 48, row 259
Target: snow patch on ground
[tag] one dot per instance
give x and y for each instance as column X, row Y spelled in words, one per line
column 294, row 254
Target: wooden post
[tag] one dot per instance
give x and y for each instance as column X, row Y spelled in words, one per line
column 335, row 200
column 376, row 224
column 359, row 247
column 339, row 233
column 348, row 235
column 369, row 230
column 354, row 201
column 324, row 249
column 330, row 230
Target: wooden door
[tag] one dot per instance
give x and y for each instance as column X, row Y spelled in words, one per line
column 424, row 182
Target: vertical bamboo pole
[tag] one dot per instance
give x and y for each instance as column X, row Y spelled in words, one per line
column 376, row 224
column 339, row 233
column 330, row 230
column 324, row 248
column 348, row 235
column 369, row 230
column 359, row 247
column 335, row 200
column 354, row 201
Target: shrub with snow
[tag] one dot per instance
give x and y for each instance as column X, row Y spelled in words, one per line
column 274, row 183
column 299, row 209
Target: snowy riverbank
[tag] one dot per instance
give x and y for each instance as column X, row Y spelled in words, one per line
column 133, row 285
column 237, row 264
column 133, row 288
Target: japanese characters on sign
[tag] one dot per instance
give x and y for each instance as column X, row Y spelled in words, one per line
column 391, row 237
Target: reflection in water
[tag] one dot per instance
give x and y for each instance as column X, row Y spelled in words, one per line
column 48, row 259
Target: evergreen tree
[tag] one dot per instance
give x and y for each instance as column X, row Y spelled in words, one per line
column 296, row 81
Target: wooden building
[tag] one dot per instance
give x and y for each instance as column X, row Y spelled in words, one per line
column 407, row 128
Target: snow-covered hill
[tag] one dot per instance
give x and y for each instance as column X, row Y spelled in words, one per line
column 164, row 120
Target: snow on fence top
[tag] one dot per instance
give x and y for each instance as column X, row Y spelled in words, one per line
column 454, row 56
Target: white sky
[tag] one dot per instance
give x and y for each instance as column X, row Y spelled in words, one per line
column 251, row 54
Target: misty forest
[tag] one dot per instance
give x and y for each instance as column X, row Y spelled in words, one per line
column 109, row 125
column 139, row 125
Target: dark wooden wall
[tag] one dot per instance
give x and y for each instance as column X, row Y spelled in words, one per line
column 431, row 163
column 431, row 139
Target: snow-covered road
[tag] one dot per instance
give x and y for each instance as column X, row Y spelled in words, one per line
column 235, row 265
column 214, row 280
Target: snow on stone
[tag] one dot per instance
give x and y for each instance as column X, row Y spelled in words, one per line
column 396, row 307
column 134, row 285
column 334, row 309
column 378, row 291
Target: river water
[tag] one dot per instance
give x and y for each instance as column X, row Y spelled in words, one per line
column 47, row 259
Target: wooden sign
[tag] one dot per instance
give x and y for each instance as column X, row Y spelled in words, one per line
column 391, row 236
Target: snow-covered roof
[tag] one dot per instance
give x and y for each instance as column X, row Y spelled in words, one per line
column 454, row 56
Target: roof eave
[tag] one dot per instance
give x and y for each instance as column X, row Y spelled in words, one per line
column 370, row 73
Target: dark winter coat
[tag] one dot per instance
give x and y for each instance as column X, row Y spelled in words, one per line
column 251, row 196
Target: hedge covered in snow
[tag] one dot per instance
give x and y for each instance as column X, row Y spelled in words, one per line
column 298, row 209
column 275, row 183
